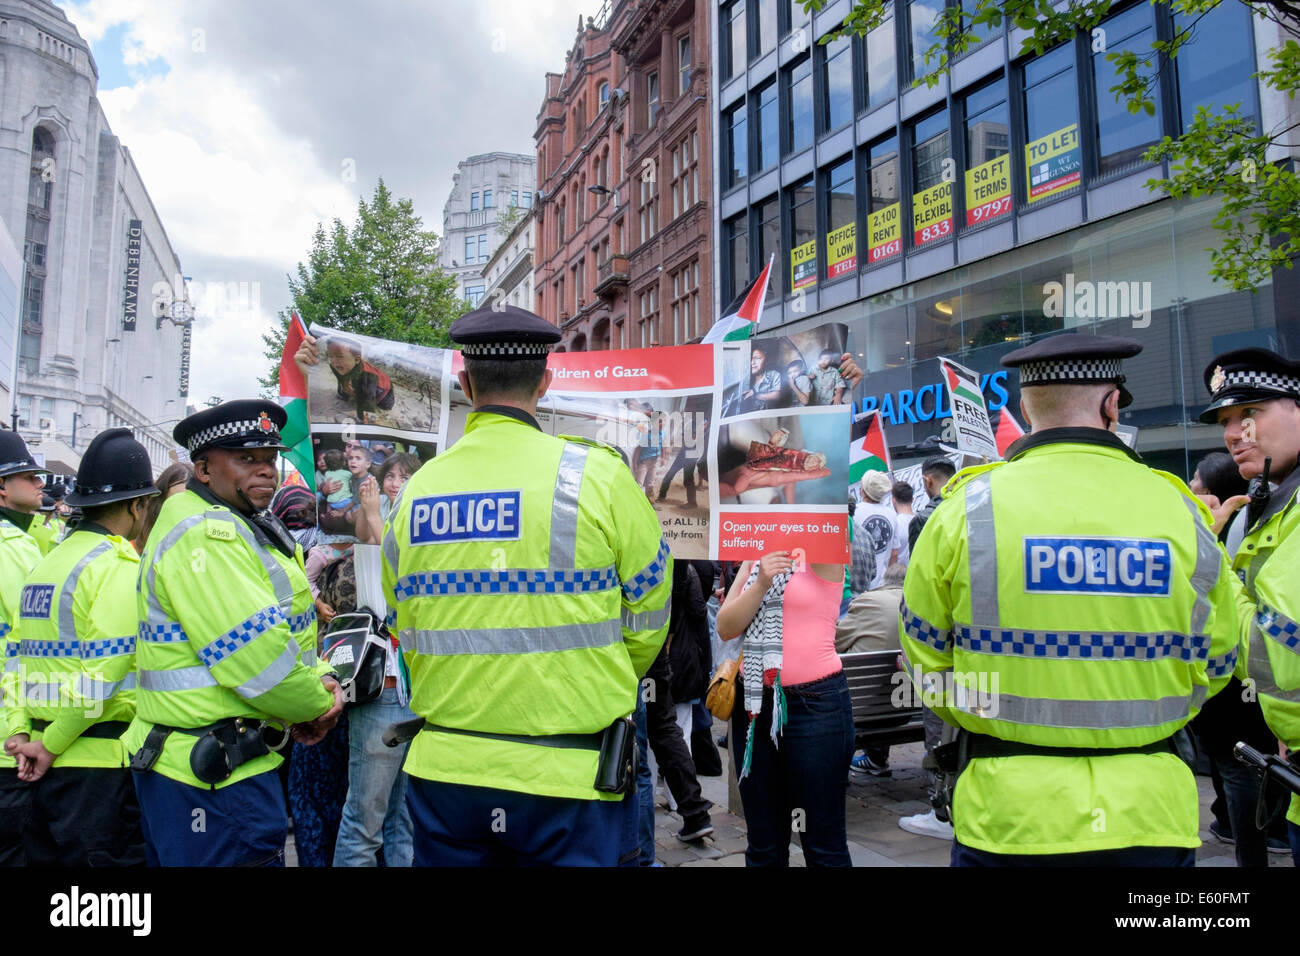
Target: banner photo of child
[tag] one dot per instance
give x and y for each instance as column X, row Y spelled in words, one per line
column 376, row 382
column 793, row 371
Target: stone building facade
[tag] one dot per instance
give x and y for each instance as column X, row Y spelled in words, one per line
column 476, row 216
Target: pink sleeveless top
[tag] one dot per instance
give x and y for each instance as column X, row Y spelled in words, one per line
column 809, row 615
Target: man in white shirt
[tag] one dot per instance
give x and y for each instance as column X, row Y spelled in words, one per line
column 876, row 519
column 902, row 494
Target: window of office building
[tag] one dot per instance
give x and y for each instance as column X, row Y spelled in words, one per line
column 735, row 234
column 526, row 199
column 1122, row 137
column 649, row 217
column 799, row 89
column 732, row 38
column 1053, row 157
column 686, row 174
column 514, row 197
column 982, row 32
column 482, row 248
column 841, row 220
column 652, row 98
column 932, row 216
column 473, row 202
column 735, row 144
column 683, row 64
column 40, row 187
column 881, row 65
column 767, row 27
column 802, row 261
column 559, row 225
column 768, row 135
column 988, row 160
column 768, row 215
column 602, row 95
column 649, row 300
column 922, row 33
column 471, row 247
column 884, row 201
column 474, row 295
column 487, row 199
column 1215, row 65
column 686, row 303
column 837, row 84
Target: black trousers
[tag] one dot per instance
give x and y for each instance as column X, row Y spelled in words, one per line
column 83, row 816
column 669, row 745
column 15, row 808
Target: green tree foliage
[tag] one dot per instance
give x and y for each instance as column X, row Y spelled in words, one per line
column 1220, row 154
column 379, row 277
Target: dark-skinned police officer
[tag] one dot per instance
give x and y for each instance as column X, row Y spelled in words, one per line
column 76, row 635
column 226, row 651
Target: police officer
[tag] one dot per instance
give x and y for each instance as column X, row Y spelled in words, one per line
column 226, row 651
column 76, row 636
column 21, row 481
column 1070, row 610
column 531, row 587
column 1255, row 397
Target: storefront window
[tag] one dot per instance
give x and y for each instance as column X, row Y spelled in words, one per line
column 800, row 91
column 1122, row 136
column 837, row 83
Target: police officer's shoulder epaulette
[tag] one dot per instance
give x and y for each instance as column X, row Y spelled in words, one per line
column 10, row 530
column 219, row 524
column 594, row 443
column 1186, row 493
column 963, row 477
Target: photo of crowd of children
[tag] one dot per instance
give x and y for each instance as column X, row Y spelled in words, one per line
column 368, row 381
column 793, row 371
column 783, row 460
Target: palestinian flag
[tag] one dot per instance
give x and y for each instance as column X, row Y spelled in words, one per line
column 296, row 433
column 1008, row 431
column 868, row 449
column 962, row 387
column 740, row 319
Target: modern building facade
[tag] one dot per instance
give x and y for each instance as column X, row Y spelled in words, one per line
column 508, row 276
column 624, row 221
column 91, row 353
column 1006, row 203
column 477, row 215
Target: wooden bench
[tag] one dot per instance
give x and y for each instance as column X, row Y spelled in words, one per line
column 872, row 686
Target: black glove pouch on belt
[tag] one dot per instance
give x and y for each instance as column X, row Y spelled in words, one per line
column 224, row 748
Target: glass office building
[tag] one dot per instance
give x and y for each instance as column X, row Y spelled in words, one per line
column 1007, row 203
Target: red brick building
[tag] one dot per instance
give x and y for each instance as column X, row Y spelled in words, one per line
column 624, row 176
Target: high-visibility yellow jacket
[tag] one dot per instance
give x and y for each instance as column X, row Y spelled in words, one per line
column 1269, row 562
column 19, row 553
column 531, row 584
column 227, row 628
column 1074, row 598
column 76, row 643
column 46, row 535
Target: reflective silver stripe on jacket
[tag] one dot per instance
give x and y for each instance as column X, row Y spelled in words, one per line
column 1276, row 627
column 182, row 678
column 1208, row 560
column 42, row 692
column 647, row 620
column 982, row 552
column 95, row 688
column 67, row 617
column 512, row 640
column 564, row 506
column 1090, row 714
column 274, row 672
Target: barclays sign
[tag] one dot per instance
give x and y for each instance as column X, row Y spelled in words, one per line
column 929, row 402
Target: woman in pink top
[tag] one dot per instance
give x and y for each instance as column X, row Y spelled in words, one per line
column 796, row 773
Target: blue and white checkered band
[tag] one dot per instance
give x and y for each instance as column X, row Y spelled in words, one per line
column 1253, row 378
column 250, row 429
column 1065, row 371
column 505, row 349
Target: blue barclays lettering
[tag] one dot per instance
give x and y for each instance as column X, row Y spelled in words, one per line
column 907, row 405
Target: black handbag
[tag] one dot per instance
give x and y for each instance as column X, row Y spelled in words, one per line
column 356, row 646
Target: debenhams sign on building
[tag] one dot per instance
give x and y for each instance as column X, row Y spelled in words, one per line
column 131, row 303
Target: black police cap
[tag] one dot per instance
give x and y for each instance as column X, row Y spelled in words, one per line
column 508, row 332
column 115, row 467
column 1075, row 358
column 14, row 456
column 243, row 423
column 1249, row 375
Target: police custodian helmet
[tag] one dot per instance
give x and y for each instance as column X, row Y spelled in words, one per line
column 14, row 456
column 243, row 423
column 1075, row 358
column 115, row 467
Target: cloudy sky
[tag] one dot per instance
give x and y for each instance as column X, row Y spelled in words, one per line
column 251, row 121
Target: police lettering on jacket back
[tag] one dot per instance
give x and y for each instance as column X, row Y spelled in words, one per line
column 467, row 516
column 1098, row 565
column 36, row 600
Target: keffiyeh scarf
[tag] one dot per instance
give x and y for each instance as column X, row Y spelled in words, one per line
column 762, row 650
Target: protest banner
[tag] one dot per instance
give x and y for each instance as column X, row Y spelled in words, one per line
column 970, row 417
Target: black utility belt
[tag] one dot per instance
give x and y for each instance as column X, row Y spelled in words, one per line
column 616, row 746
column 221, row 748
column 982, row 745
column 104, row 730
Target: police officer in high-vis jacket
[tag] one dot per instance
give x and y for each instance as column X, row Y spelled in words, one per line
column 76, row 643
column 226, row 651
column 21, row 481
column 1255, row 397
column 1070, row 609
column 531, row 587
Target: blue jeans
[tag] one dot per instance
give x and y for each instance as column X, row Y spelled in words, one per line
column 801, row 784
column 375, row 814
column 963, row 855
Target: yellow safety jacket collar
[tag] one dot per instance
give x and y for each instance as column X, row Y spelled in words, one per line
column 1070, row 436
column 21, row 521
column 1282, row 496
column 266, row 527
column 509, row 411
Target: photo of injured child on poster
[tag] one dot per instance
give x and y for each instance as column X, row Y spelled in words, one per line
column 794, row 371
column 373, row 382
